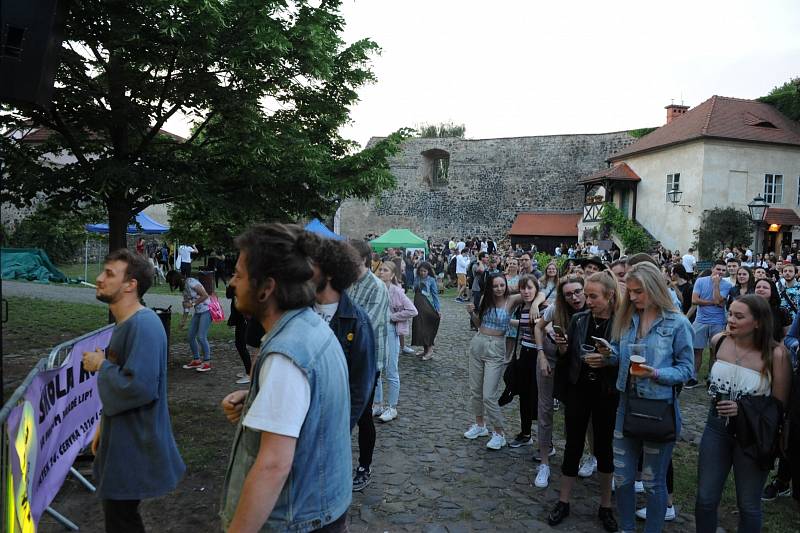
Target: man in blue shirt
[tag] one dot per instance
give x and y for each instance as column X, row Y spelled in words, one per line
column 709, row 296
column 135, row 452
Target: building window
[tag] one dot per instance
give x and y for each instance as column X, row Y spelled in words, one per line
column 773, row 188
column 437, row 167
column 673, row 183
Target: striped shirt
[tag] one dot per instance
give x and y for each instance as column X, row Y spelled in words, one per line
column 372, row 296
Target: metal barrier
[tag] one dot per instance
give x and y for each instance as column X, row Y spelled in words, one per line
column 55, row 359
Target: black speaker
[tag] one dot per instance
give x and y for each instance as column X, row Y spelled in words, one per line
column 30, row 37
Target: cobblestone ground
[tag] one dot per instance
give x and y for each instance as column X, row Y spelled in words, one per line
column 428, row 477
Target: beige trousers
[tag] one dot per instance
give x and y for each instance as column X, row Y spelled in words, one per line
column 487, row 362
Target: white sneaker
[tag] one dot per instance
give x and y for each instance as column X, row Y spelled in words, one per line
column 389, row 414
column 244, row 380
column 377, row 410
column 588, row 467
column 669, row 514
column 496, row 442
column 240, row 374
column 638, row 487
column 476, row 431
column 542, row 476
column 408, row 350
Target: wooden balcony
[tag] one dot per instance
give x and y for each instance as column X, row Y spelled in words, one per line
column 591, row 212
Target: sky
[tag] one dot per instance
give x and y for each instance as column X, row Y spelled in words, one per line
column 508, row 68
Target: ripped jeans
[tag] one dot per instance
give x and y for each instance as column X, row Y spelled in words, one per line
column 656, row 456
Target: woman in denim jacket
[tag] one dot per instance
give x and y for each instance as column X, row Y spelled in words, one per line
column 648, row 317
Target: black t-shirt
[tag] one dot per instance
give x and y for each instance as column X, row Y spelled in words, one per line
column 686, row 296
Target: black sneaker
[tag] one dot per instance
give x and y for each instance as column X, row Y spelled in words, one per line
column 521, row 440
column 775, row 489
column 606, row 516
column 558, row 514
column 361, row 479
column 692, row 383
column 537, row 457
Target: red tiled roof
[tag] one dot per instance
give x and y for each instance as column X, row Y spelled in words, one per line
column 621, row 172
column 721, row 117
column 784, row 217
column 546, row 224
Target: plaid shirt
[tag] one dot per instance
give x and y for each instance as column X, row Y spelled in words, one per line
column 371, row 294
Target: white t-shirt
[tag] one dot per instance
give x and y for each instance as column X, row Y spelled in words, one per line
column 460, row 246
column 462, row 263
column 283, row 398
column 326, row 311
column 185, row 253
column 689, row 261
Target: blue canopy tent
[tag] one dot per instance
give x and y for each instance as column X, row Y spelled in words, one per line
column 144, row 224
column 315, row 226
column 147, row 224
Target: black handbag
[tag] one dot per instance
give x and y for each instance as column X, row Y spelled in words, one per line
column 648, row 420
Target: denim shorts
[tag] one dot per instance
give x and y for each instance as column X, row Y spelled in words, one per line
column 703, row 333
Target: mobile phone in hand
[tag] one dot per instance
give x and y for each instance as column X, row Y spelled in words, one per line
column 559, row 330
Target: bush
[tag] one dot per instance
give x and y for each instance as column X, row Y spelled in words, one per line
column 633, row 236
column 720, row 228
column 61, row 235
column 544, row 259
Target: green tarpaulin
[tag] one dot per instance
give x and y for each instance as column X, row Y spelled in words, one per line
column 398, row 238
column 30, row 264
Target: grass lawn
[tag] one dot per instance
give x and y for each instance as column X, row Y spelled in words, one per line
column 76, row 270
column 42, row 324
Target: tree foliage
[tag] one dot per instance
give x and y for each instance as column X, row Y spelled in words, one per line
column 785, row 98
column 441, row 130
column 266, row 85
column 60, row 234
column 633, row 236
column 721, row 228
column 641, row 132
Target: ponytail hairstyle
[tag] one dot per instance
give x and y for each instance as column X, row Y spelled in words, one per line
column 608, row 281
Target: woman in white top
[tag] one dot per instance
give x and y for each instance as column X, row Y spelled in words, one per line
column 748, row 362
column 548, row 285
column 195, row 299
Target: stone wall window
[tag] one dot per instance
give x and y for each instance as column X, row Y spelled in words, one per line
column 436, row 167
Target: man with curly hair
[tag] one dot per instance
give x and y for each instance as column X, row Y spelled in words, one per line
column 336, row 268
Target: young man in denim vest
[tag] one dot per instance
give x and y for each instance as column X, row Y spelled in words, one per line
column 280, row 477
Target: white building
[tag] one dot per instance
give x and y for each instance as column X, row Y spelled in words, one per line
column 721, row 153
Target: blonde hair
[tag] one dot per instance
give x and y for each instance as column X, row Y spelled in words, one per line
column 654, row 285
column 610, row 286
column 391, row 266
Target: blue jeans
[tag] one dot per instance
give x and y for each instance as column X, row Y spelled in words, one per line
column 391, row 371
column 198, row 330
column 656, row 456
column 718, row 452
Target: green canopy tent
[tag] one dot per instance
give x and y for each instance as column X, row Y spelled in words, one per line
column 398, row 238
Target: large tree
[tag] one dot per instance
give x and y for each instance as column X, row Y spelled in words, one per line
column 266, row 85
column 723, row 227
column 786, row 98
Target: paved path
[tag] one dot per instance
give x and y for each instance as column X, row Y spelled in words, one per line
column 427, row 477
column 86, row 295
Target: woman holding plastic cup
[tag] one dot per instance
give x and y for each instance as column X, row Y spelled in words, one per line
column 591, row 394
column 647, row 316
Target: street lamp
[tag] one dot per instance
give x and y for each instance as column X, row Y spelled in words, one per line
column 675, row 195
column 758, row 208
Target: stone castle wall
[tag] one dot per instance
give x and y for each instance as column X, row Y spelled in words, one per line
column 489, row 182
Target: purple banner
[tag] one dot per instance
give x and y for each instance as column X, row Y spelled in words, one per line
column 55, row 421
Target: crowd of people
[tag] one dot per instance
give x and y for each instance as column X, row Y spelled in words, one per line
column 613, row 341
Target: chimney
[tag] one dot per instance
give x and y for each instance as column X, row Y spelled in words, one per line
column 674, row 111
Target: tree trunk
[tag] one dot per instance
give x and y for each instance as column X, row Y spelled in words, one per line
column 119, row 215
